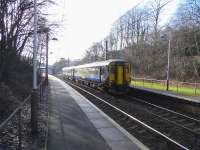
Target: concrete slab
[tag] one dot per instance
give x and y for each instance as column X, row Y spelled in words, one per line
column 123, row 145
column 112, row 134
column 69, row 127
column 86, row 125
column 94, row 115
column 89, row 109
column 101, row 123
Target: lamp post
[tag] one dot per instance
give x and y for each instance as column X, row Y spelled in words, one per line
column 35, row 47
column 166, row 36
column 47, row 54
column 168, row 56
column 34, row 127
column 106, row 57
column 47, row 51
column 168, row 62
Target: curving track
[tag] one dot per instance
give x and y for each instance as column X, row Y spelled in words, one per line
column 155, row 126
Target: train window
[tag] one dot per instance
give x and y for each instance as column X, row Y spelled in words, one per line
column 127, row 68
column 102, row 70
column 112, row 70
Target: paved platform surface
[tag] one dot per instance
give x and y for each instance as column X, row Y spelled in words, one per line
column 168, row 93
column 76, row 124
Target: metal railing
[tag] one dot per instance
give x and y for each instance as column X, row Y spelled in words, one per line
column 11, row 128
column 185, row 88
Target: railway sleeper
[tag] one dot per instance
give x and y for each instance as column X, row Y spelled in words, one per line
column 189, row 124
column 180, row 120
column 141, row 131
column 132, row 127
column 129, row 125
column 174, row 117
column 115, row 117
column 160, row 112
column 166, row 115
column 119, row 115
column 197, row 130
column 124, row 119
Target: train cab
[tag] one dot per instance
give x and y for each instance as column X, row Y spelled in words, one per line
column 119, row 74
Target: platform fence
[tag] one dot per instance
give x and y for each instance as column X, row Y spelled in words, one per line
column 16, row 126
column 185, row 88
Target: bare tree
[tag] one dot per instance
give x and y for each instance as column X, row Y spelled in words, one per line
column 157, row 7
column 15, row 31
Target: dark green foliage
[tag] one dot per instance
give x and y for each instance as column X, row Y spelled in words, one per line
column 16, row 29
column 191, row 51
column 15, row 86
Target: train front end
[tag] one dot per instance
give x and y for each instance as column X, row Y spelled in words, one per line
column 119, row 76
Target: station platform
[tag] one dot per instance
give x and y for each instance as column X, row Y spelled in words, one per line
column 170, row 94
column 76, row 124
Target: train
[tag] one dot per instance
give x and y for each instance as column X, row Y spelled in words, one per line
column 113, row 75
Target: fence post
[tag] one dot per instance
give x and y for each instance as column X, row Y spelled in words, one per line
column 34, row 107
column 195, row 90
column 43, row 88
column 40, row 93
column 163, row 84
column 177, row 87
column 143, row 82
column 19, row 131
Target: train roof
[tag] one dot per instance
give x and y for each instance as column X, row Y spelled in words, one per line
column 96, row 64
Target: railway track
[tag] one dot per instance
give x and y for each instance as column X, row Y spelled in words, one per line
column 150, row 127
column 183, row 128
column 188, row 123
column 172, row 103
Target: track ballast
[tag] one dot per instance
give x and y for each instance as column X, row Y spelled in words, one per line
column 146, row 123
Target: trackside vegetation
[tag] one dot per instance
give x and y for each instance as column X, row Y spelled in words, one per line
column 180, row 89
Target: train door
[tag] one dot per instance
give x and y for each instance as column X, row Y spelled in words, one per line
column 111, row 73
column 128, row 73
column 119, row 74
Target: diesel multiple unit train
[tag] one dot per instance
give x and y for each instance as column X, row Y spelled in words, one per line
column 111, row 74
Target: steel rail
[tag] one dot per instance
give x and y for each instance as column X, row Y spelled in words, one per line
column 140, row 100
column 135, row 119
column 160, row 107
column 171, row 111
column 173, row 122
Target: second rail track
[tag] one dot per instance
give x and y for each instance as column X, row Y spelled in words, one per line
column 150, row 136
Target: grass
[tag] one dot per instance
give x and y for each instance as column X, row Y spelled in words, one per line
column 183, row 90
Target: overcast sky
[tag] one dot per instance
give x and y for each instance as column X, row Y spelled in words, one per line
column 84, row 22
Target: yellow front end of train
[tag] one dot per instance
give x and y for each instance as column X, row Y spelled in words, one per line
column 119, row 75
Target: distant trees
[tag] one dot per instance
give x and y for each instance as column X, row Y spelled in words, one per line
column 143, row 37
column 95, row 53
column 59, row 65
column 187, row 37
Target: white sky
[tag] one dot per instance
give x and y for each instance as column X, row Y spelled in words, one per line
column 84, row 22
